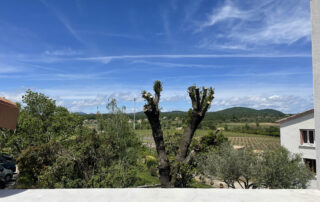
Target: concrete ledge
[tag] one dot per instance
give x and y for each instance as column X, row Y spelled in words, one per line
column 158, row 195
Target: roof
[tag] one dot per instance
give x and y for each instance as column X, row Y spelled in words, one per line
column 289, row 118
column 7, row 102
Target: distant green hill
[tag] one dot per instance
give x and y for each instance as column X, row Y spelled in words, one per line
column 244, row 114
column 234, row 114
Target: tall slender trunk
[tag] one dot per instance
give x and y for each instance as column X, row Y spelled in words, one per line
column 163, row 161
column 151, row 109
column 186, row 138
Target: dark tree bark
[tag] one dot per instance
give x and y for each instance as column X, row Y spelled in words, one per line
column 151, row 109
column 201, row 102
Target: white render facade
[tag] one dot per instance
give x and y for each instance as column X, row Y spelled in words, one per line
column 297, row 134
column 291, row 138
column 315, row 21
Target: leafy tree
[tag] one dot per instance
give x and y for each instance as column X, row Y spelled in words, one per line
column 201, row 101
column 272, row 169
column 280, row 169
column 33, row 160
column 55, row 150
column 39, row 122
column 230, row 165
column 105, row 159
column 212, row 140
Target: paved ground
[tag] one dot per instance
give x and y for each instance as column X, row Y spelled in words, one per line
column 158, row 195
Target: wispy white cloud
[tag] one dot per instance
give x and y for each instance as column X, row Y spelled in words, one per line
column 58, row 76
column 15, row 96
column 10, row 69
column 268, row 22
column 65, row 22
column 226, row 12
column 88, row 98
column 51, row 57
column 63, row 52
column 107, row 59
column 169, row 64
column 79, row 76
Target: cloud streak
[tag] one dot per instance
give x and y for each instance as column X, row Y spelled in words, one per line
column 65, row 22
column 9, row 69
column 270, row 22
column 226, row 12
column 63, row 52
column 107, row 59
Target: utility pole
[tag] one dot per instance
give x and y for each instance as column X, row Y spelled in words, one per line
column 134, row 114
column 315, row 21
column 97, row 118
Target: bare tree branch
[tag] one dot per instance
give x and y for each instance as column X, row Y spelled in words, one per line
column 204, row 95
column 198, row 98
column 192, row 96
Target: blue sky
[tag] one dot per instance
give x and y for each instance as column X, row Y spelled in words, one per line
column 81, row 53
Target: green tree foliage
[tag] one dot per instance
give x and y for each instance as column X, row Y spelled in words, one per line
column 282, row 170
column 39, row 122
column 272, row 169
column 55, row 150
column 229, row 165
column 212, row 140
column 104, row 159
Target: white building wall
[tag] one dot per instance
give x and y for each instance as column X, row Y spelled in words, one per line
column 315, row 19
column 290, row 136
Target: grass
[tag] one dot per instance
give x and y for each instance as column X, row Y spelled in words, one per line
column 252, row 124
column 146, row 178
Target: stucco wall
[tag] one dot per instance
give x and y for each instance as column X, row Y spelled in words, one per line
column 290, row 135
column 315, row 17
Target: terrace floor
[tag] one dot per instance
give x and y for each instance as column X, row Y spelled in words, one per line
column 167, row 195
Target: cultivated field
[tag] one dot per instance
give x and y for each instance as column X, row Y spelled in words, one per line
column 257, row 143
column 251, row 141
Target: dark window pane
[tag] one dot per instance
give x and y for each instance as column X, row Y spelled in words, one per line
column 311, row 137
column 311, row 163
column 305, row 136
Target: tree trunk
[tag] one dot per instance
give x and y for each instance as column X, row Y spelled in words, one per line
column 200, row 105
column 187, row 136
column 163, row 162
column 151, row 109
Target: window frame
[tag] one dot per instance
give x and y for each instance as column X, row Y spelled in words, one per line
column 302, row 142
column 311, row 164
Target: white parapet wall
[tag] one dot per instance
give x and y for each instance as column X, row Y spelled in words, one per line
column 315, row 19
column 159, row 195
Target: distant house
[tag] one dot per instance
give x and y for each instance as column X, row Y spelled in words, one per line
column 298, row 136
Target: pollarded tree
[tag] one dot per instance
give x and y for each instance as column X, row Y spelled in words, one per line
column 201, row 101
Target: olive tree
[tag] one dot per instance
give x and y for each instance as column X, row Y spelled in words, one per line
column 201, row 101
column 271, row 169
column 280, row 169
column 230, row 165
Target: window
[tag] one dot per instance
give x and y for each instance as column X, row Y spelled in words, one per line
column 307, row 136
column 311, row 163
